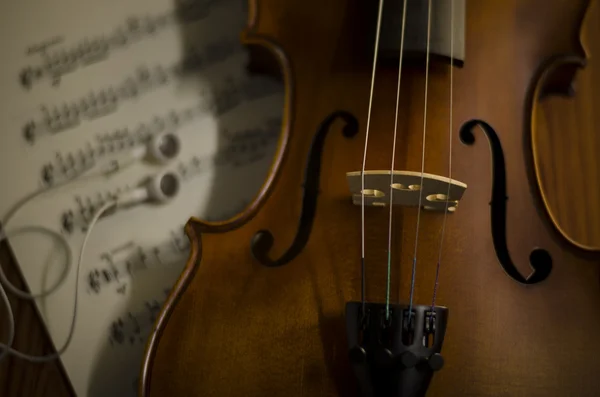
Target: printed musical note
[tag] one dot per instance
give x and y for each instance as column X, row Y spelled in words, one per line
column 137, row 259
column 180, row 241
column 94, row 280
column 124, row 138
column 134, row 328
column 44, row 45
column 60, row 62
column 59, row 118
column 113, row 143
column 110, row 272
column 86, row 206
column 116, row 332
column 63, row 117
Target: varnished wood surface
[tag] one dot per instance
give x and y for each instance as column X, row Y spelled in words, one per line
column 235, row 328
column 566, row 143
column 19, row 378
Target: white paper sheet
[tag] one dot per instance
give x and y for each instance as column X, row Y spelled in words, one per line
column 84, row 80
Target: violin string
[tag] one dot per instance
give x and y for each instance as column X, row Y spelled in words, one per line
column 414, row 267
column 437, row 270
column 362, row 191
column 389, row 258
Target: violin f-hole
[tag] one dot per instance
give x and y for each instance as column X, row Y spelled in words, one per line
column 539, row 259
column 262, row 242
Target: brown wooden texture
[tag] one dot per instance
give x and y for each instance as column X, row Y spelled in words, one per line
column 18, row 377
column 566, row 142
column 233, row 327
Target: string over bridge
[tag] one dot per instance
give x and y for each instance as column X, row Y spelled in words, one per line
column 407, row 186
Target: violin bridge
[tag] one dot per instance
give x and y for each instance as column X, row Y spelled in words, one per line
column 406, row 187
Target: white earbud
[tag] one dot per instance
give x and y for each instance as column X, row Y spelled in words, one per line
column 161, row 149
column 160, row 188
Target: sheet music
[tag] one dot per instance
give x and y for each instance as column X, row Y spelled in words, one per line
column 83, row 81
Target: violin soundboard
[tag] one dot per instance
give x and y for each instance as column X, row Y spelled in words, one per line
column 84, row 80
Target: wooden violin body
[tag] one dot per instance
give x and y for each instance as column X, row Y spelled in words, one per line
column 565, row 139
column 242, row 321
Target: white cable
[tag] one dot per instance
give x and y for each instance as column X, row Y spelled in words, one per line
column 161, row 187
column 24, row 294
column 162, row 148
column 11, row 320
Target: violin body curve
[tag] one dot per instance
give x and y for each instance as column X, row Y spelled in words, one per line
column 241, row 322
column 565, row 138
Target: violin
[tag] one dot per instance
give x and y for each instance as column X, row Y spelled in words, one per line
column 397, row 246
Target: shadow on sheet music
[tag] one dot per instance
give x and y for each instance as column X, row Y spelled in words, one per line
column 246, row 107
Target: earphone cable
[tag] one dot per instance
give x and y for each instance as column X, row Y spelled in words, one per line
column 84, row 175
column 124, row 199
column 7, row 349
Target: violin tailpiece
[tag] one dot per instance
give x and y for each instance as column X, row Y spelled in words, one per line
column 406, row 189
column 395, row 356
